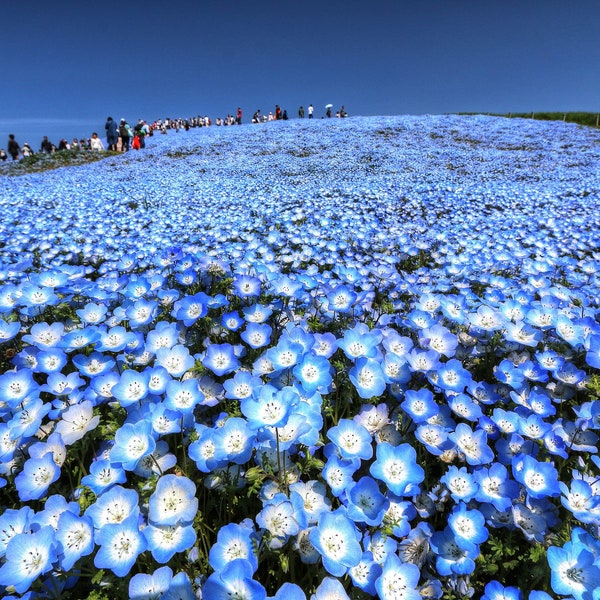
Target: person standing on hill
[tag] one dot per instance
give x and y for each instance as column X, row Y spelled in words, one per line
column 13, row 147
column 301, row 112
column 238, row 119
column 310, row 111
column 124, row 130
column 112, row 134
column 46, row 145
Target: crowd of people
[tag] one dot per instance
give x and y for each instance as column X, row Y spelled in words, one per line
column 122, row 137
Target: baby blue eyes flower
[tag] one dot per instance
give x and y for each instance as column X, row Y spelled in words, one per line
column 368, row 378
column 28, row 556
column 220, row 359
column 75, row 538
column 132, row 443
column 234, row 541
column 397, row 467
column 131, row 388
column 398, row 580
column 234, row 581
column 335, row 538
column 173, row 501
column 539, row 478
column 351, row 439
column 120, row 545
column 366, row 503
column 33, row 481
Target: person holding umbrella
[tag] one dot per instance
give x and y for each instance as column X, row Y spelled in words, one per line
column 328, row 107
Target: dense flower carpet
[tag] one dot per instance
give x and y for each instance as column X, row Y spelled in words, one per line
column 320, row 360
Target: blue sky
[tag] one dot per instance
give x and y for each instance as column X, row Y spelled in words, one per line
column 67, row 65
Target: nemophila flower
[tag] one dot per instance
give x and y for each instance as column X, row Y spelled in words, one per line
column 569, row 331
column 451, row 376
column 522, row 333
column 242, row 385
column 131, row 388
column 579, row 440
column 420, row 319
column 351, row 439
column 580, row 500
column 574, row 571
column 28, row 556
column 534, row 427
column 423, row 360
column 395, row 369
column 310, row 498
column 234, row 441
column 330, row 589
column 234, row 581
column 367, row 377
column 494, row 590
column 325, row 344
column 270, row 407
column 289, row 591
column 13, row 522
column 176, row 360
column 50, row 361
column 398, row 580
column 164, row 541
column 220, row 359
column 440, row 339
column 147, row 587
column 114, row 339
column 44, row 335
column 120, row 545
column 234, row 540
column 93, row 364
column 156, row 463
column 203, row 450
column 53, row 445
column 75, row 538
column 372, row 417
column 183, row 396
column 366, row 503
column 465, row 407
column 103, row 475
column 114, row 506
column 360, row 341
column 278, row 519
column 286, row 354
column 246, row 286
column 365, row 574
column 314, row 373
column 92, row 313
column 473, row 444
column 338, row 473
column 256, row 335
column 34, row 298
column 76, row 421
column 539, row 478
column 468, row 526
column 450, row 558
column 191, row 308
column 336, row 540
column 173, row 501
column 38, row 474
column 27, row 421
column 8, row 331
column 132, row 443
column 79, row 338
column 460, row 483
column 419, row 405
column 495, row 486
column 397, row 467
column 15, row 386
column 434, row 438
column 341, row 299
column 257, row 313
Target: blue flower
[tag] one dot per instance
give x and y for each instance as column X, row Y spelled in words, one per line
column 191, row 308
column 335, row 538
column 120, row 545
column 314, row 373
column 103, row 475
column 360, row 342
column 234, row 580
column 132, row 443
column 351, row 439
column 75, row 538
column 468, row 526
column 28, row 556
column 367, row 377
column 220, row 359
column 419, row 405
column 234, row 541
column 131, row 388
column 330, row 589
column 256, row 335
column 398, row 580
column 146, row 587
column 33, row 481
column 173, row 501
column 539, row 478
column 397, row 467
column 494, row 590
column 573, row 570
column 366, row 503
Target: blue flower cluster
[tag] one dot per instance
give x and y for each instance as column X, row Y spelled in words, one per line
column 321, row 360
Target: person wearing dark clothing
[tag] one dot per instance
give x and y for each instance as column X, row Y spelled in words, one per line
column 238, row 119
column 112, row 134
column 277, row 113
column 13, row 148
column 3, row 155
column 46, row 145
column 301, row 112
column 284, row 116
column 124, row 133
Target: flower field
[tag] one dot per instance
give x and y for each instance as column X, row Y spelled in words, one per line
column 322, row 360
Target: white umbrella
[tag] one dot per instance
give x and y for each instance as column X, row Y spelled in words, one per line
column 329, row 106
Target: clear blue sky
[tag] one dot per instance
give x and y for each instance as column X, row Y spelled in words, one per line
column 72, row 63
